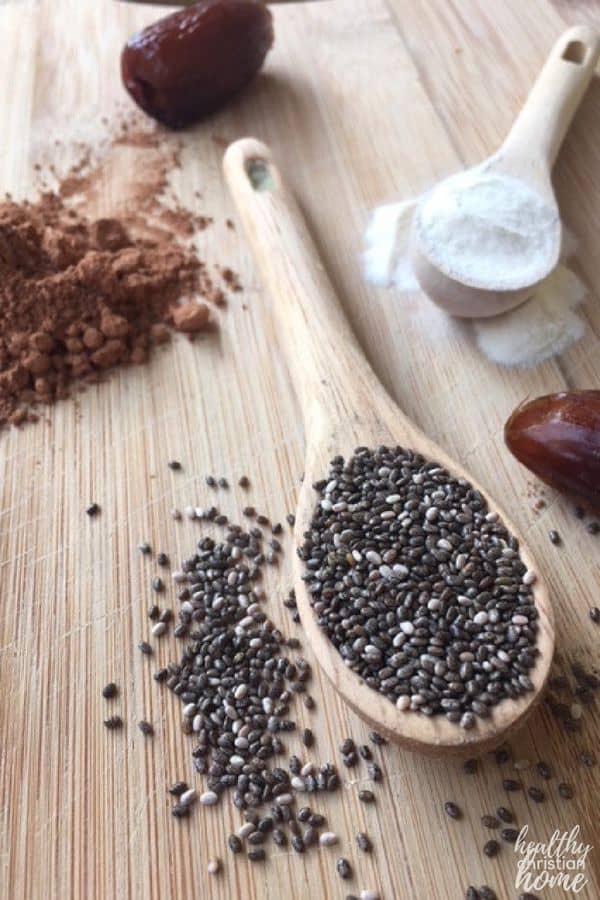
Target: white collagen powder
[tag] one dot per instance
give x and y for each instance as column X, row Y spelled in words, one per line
column 488, row 230
column 542, row 327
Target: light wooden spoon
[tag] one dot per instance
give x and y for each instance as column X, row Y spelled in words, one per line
column 527, row 154
column 344, row 406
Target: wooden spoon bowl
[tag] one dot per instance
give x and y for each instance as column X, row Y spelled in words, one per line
column 344, row 407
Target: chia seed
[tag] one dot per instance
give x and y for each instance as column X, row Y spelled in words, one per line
column 426, row 575
column 344, row 869
column 452, row 810
column 113, row 722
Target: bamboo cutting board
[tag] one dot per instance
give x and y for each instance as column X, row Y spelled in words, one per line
column 361, row 102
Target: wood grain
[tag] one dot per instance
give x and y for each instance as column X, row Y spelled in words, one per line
column 361, row 103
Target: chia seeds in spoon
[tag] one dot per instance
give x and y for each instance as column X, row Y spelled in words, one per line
column 419, row 586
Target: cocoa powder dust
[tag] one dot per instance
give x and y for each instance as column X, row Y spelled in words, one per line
column 80, row 295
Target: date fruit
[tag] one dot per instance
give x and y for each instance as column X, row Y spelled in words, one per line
column 558, row 438
column 190, row 63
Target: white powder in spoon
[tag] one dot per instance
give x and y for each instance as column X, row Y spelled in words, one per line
column 542, row 327
column 488, row 230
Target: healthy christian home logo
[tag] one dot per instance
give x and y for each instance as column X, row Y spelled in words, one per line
column 559, row 862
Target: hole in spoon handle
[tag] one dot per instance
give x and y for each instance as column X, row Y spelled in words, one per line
column 259, row 174
column 576, row 52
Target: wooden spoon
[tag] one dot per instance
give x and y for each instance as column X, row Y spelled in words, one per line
column 527, row 154
column 344, row 406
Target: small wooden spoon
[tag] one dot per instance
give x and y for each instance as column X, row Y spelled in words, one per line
column 527, row 154
column 344, row 406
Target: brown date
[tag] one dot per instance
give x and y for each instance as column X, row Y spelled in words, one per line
column 189, row 64
column 558, row 438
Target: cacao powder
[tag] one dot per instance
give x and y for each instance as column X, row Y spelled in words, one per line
column 80, row 296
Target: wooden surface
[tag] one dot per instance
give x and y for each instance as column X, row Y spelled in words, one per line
column 362, row 103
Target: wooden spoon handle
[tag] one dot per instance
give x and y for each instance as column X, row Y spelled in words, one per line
column 321, row 348
column 544, row 120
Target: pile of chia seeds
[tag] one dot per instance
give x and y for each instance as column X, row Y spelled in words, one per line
column 419, row 586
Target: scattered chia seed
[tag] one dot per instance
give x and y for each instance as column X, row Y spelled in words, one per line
column 214, row 866
column 328, row 839
column 566, row 791
column 154, row 612
column 298, row 844
column 486, row 893
column 363, row 842
column 509, row 835
column 375, row 772
column 316, row 820
column 470, row 766
column 280, row 837
column 343, row 867
column 595, row 615
column 110, row 690
column 179, row 811
column 162, row 559
column 366, row 796
column 505, row 814
column 554, row 537
column 452, row 810
column 347, row 746
column 509, row 784
column 377, row 738
column 491, row 848
column 145, row 648
column 543, row 770
column 249, row 512
column 588, row 759
column 244, row 482
column 92, row 510
column 223, row 483
column 145, row 548
column 593, row 527
column 471, row 893
column 174, row 464
column 536, row 794
column 256, row 854
column 178, row 788
column 490, row 821
column 114, row 722
column 390, row 527
column 158, row 584
column 308, row 738
column 211, row 481
column 291, row 519
column 146, row 728
column 189, row 797
column 257, row 837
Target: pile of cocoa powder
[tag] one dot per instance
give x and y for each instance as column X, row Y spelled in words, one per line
column 78, row 297
column 80, row 294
